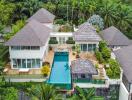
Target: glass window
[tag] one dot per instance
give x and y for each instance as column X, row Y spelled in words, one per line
column 23, row 63
column 83, row 76
column 33, row 63
column 15, row 47
column 37, row 63
column 14, row 63
column 25, row 47
column 89, row 47
column 35, row 48
column 29, row 63
column 84, row 47
column 94, row 47
column 52, row 38
column 19, row 63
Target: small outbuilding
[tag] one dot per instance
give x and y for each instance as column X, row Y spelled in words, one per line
column 82, row 70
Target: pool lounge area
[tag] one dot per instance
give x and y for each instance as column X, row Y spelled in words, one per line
column 60, row 74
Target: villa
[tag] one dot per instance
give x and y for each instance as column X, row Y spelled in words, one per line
column 115, row 38
column 124, row 56
column 37, row 43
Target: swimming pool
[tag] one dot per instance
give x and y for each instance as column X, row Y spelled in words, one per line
column 60, row 73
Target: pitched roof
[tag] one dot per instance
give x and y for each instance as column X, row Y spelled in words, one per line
column 32, row 34
column 124, row 56
column 113, row 36
column 86, row 33
column 42, row 16
column 83, row 66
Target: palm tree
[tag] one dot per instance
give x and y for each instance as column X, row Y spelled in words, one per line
column 44, row 92
column 108, row 12
column 87, row 94
column 124, row 17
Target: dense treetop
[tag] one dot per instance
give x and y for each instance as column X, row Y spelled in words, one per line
column 113, row 12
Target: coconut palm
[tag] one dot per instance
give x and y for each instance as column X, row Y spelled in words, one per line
column 124, row 17
column 44, row 92
column 108, row 12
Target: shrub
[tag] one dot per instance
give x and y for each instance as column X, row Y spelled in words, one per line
column 53, row 41
column 45, row 70
column 99, row 56
column 73, row 48
column 66, row 28
column 114, row 70
column 106, row 53
column 60, row 21
column 78, row 49
column 102, row 44
column 70, row 41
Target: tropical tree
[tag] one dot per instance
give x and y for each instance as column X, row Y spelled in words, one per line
column 15, row 28
column 9, row 93
column 6, row 12
column 124, row 17
column 44, row 92
column 108, row 12
column 85, row 94
column 96, row 20
column 31, row 6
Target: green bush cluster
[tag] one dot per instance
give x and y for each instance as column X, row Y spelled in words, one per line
column 99, row 56
column 59, row 21
column 53, row 41
column 103, row 53
column 70, row 41
column 114, row 69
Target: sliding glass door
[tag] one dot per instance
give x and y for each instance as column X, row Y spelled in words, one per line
column 88, row 47
column 26, row 63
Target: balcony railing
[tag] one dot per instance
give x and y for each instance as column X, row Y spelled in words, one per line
column 24, row 76
column 89, row 81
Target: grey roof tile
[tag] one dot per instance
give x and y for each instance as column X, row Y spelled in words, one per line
column 32, row 34
column 124, row 56
column 42, row 16
column 83, row 66
column 86, row 33
column 114, row 37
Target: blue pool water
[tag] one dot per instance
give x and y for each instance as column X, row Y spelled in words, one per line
column 60, row 73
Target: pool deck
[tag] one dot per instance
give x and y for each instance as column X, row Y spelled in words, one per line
column 49, row 57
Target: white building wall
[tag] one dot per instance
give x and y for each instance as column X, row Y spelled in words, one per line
column 123, row 93
column 27, row 53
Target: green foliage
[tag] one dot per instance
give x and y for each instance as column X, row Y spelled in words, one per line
column 114, row 69
column 77, row 49
column 70, row 41
column 44, row 92
column 15, row 28
column 66, row 28
column 106, row 53
column 60, row 21
column 87, row 94
column 6, row 12
column 102, row 44
column 53, row 41
column 8, row 93
column 99, row 56
column 104, row 50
